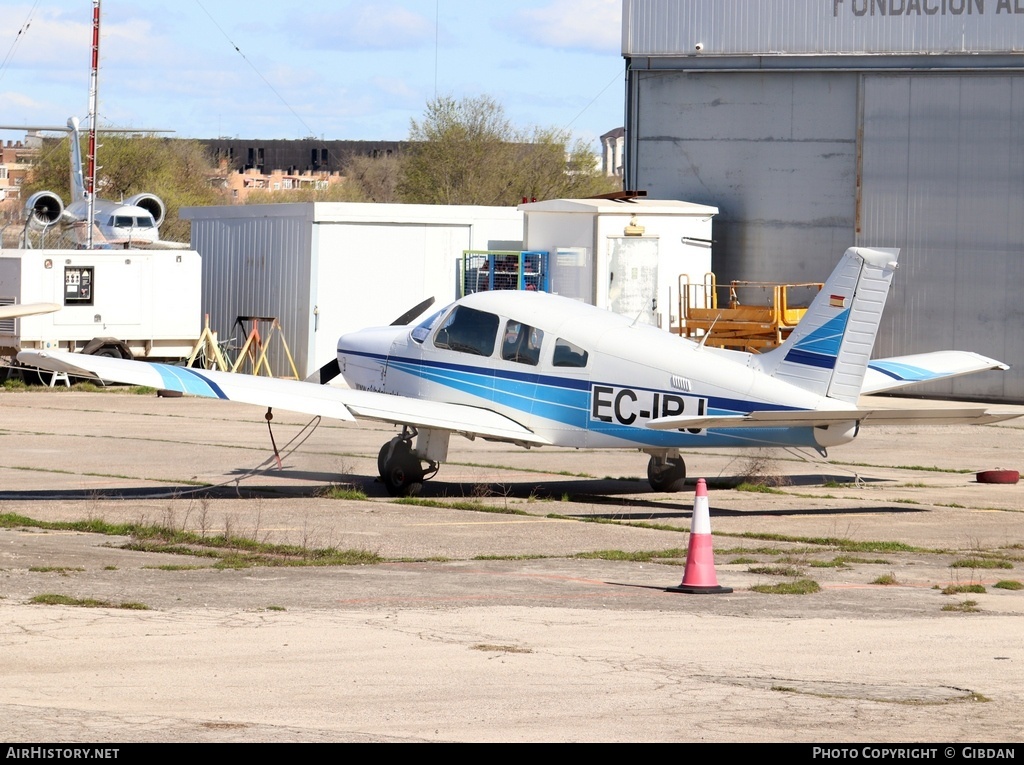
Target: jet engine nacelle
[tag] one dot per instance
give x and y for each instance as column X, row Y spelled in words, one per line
column 151, row 203
column 43, row 209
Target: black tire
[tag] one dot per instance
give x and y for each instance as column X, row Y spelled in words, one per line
column 403, row 475
column 669, row 476
column 395, row 446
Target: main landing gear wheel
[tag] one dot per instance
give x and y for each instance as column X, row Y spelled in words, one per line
column 399, row 468
column 667, row 475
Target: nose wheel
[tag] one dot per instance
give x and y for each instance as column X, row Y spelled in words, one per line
column 400, row 470
column 666, row 474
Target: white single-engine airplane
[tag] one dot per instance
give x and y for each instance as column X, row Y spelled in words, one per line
column 135, row 222
column 540, row 370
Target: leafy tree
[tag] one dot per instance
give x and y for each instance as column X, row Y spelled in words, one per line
column 375, row 179
column 468, row 152
column 175, row 170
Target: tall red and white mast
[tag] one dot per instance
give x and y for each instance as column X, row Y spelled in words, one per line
column 90, row 179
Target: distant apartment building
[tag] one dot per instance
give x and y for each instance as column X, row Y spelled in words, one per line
column 248, row 165
column 15, row 160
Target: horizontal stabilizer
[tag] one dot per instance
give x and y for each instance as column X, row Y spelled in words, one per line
column 821, row 419
column 901, row 371
column 291, row 395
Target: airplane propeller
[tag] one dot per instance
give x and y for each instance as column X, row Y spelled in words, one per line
column 412, row 313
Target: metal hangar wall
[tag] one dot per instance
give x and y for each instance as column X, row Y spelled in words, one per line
column 815, row 125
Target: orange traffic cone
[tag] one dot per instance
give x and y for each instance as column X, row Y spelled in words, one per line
column 699, row 577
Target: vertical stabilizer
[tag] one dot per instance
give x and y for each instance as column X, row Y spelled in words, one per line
column 828, row 352
column 77, row 176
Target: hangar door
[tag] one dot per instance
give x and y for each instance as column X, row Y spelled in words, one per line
column 942, row 168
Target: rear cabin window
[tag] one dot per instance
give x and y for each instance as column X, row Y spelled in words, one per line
column 521, row 343
column 568, row 355
column 467, row 330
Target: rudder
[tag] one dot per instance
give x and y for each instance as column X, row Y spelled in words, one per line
column 829, row 350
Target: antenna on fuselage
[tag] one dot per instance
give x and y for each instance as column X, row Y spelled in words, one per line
column 707, row 335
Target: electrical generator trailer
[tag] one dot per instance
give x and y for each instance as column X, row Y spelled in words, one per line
column 142, row 304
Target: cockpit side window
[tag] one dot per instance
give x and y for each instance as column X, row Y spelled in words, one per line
column 468, row 330
column 521, row 343
column 569, row 355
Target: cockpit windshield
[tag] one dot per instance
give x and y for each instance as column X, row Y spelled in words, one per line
column 468, row 330
column 422, row 330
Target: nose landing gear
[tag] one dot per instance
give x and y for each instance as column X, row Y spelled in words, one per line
column 401, row 468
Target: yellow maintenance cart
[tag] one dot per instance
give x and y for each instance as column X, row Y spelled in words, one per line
column 753, row 317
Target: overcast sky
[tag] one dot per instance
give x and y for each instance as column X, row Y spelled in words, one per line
column 336, row 70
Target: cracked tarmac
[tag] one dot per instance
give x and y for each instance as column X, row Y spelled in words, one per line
column 482, row 626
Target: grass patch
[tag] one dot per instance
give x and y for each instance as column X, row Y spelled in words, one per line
column 966, row 607
column 275, row 608
column 741, row 560
column 648, row 556
column 492, row 648
column 834, row 563
column 772, row 551
column 799, row 587
column 844, row 545
column 229, row 551
column 53, row 599
column 343, row 492
column 1008, row 584
column 980, row 563
column 775, row 570
column 171, row 567
column 956, row 589
column 758, row 488
column 885, row 580
column 477, row 507
column 62, row 570
column 919, row 468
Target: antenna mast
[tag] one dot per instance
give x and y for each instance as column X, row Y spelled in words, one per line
column 90, row 179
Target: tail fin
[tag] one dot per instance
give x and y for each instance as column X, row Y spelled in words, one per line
column 77, row 174
column 828, row 352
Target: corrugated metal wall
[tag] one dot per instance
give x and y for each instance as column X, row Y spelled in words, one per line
column 796, row 27
column 777, row 154
column 258, row 266
column 943, row 179
column 817, row 125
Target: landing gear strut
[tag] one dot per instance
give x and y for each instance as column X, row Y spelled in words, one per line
column 400, row 467
column 666, row 473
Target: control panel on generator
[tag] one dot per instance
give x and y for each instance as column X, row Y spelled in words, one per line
column 78, row 285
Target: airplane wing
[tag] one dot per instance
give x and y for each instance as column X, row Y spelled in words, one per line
column 806, row 419
column 26, row 309
column 901, row 371
column 292, row 395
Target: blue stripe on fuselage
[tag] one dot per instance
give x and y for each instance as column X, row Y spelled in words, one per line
column 566, row 401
